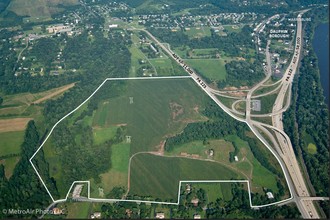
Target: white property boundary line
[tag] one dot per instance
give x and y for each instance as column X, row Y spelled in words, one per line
column 180, row 182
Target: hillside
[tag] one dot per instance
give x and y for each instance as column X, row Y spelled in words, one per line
column 38, row 8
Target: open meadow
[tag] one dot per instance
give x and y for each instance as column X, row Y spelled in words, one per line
column 213, row 69
column 159, row 177
column 130, row 121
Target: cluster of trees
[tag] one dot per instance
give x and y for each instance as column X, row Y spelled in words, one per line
column 23, row 190
column 242, row 73
column 238, row 207
column 309, row 116
column 45, row 51
column 80, row 157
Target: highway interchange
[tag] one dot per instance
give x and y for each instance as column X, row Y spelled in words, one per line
column 281, row 146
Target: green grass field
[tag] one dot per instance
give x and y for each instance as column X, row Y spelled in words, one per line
column 78, row 210
column 198, row 32
column 120, row 157
column 248, row 164
column 11, row 142
column 38, row 10
column 204, row 52
column 150, row 117
column 226, row 101
column 311, row 148
column 153, row 175
column 9, row 164
column 216, row 190
column 101, row 135
column 213, row 69
column 267, row 103
column 163, row 66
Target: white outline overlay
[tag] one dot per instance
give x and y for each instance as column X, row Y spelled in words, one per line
column 182, row 181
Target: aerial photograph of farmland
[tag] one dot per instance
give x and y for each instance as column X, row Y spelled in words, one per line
column 171, row 109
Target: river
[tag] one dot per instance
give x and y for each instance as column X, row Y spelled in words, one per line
column 321, row 48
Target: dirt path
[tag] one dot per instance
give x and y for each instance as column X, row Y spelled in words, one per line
column 61, row 90
column 15, row 124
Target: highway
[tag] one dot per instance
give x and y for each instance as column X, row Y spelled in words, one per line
column 306, row 207
column 283, row 144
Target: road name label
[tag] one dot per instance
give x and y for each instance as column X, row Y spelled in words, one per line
column 189, row 70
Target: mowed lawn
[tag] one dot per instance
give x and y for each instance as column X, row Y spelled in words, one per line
column 145, row 108
column 213, row 69
column 159, row 177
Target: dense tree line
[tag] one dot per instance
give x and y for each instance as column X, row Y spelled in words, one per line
column 24, row 190
column 309, row 116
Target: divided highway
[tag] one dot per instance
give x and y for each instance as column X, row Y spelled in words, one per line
column 306, row 207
